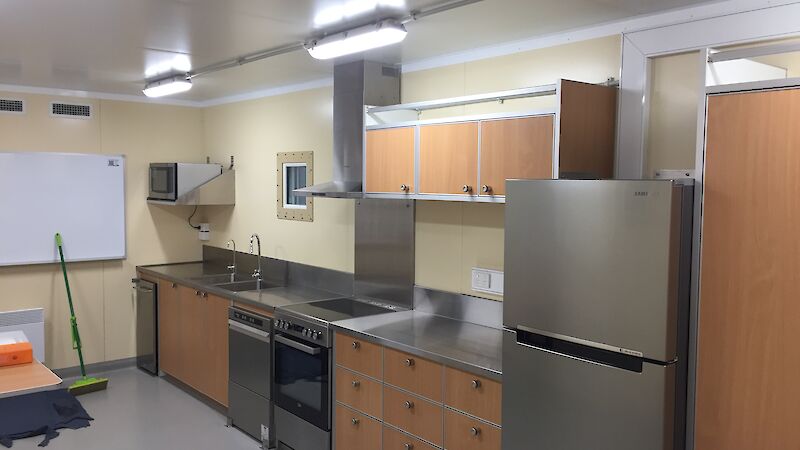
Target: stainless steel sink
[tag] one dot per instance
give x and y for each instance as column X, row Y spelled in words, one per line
column 220, row 278
column 241, row 286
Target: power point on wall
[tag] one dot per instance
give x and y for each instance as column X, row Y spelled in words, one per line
column 205, row 232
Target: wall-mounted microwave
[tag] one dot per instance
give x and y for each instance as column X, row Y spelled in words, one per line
column 169, row 181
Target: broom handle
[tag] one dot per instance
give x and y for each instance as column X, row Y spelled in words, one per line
column 76, row 337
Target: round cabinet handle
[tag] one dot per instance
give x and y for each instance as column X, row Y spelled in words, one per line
column 356, row 345
column 474, row 431
column 197, row 293
column 355, row 421
column 408, row 446
column 409, row 404
column 409, row 362
column 476, row 384
column 404, row 187
column 466, row 188
column 204, row 294
column 486, row 188
column 356, row 384
column 174, row 285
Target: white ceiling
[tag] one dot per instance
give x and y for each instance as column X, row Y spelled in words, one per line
column 107, row 45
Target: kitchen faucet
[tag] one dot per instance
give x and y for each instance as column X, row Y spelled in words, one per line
column 257, row 272
column 232, row 267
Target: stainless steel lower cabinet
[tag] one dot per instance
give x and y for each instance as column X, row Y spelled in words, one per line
column 294, row 433
column 251, row 413
column 555, row 402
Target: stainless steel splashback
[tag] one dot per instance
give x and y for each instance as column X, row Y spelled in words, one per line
column 355, row 85
column 384, row 253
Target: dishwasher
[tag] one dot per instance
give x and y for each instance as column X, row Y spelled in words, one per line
column 250, row 406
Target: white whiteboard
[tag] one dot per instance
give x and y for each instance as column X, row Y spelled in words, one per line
column 78, row 195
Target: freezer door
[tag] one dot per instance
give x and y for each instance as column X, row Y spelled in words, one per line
column 555, row 402
column 595, row 260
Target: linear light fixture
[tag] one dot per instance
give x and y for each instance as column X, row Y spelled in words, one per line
column 381, row 34
column 167, row 86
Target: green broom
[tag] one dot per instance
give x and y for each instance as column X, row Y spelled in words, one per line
column 85, row 384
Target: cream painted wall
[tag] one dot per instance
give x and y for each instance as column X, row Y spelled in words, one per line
column 102, row 290
column 254, row 132
column 674, row 96
column 451, row 237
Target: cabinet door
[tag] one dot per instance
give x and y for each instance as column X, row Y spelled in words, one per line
column 216, row 348
column 448, row 158
column 515, row 148
column 169, row 328
column 390, row 160
column 749, row 357
column 355, row 431
column 465, row 433
column 192, row 338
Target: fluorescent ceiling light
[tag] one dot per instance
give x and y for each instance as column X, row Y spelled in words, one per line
column 167, row 86
column 358, row 40
column 172, row 63
column 352, row 8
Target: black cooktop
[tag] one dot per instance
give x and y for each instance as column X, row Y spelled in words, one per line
column 337, row 309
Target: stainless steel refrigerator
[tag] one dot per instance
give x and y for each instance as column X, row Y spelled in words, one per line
column 596, row 314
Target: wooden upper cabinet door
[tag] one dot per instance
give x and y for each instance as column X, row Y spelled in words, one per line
column 748, row 380
column 168, row 328
column 216, row 359
column 448, row 158
column 515, row 148
column 390, row 160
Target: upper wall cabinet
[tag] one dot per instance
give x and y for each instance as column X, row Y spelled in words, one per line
column 390, row 160
column 470, row 158
column 448, row 158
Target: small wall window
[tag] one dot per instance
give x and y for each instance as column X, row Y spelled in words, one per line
column 295, row 170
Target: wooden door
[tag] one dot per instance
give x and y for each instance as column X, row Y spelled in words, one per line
column 169, row 328
column 448, row 158
column 515, row 148
column 748, row 382
column 390, row 160
column 192, row 339
column 216, row 344
column 355, row 431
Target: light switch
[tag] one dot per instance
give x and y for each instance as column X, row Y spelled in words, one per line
column 487, row 280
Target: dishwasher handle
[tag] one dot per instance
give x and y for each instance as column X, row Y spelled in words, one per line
column 254, row 333
column 297, row 345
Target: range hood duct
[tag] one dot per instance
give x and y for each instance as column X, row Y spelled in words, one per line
column 355, row 85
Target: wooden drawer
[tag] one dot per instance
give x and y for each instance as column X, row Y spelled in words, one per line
column 413, row 414
column 397, row 440
column 473, row 394
column 355, row 431
column 465, row 433
column 359, row 355
column 409, row 372
column 359, row 392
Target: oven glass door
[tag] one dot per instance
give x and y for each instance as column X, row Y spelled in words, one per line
column 302, row 380
column 162, row 182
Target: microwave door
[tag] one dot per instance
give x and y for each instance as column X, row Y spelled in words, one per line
column 162, row 182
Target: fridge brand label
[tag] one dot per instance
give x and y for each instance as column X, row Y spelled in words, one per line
column 631, row 352
column 641, row 194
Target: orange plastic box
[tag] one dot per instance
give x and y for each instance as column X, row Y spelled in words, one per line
column 13, row 354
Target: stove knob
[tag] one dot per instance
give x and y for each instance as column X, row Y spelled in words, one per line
column 306, row 332
column 278, row 323
column 317, row 335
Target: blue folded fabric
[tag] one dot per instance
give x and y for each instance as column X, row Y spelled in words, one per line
column 40, row 413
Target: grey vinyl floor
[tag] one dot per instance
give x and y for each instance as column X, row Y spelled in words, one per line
column 143, row 412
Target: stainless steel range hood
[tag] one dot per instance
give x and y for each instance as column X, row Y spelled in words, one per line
column 355, row 85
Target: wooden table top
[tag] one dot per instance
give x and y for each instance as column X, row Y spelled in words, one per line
column 26, row 377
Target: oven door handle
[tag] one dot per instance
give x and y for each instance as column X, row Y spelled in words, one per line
column 254, row 333
column 297, row 346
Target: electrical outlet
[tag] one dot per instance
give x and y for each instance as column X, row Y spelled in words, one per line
column 487, row 280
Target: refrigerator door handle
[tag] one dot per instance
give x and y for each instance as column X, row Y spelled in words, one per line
column 580, row 352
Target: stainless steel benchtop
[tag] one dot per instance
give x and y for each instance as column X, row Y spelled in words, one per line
column 463, row 345
column 186, row 274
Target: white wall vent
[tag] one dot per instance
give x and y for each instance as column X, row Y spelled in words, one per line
column 12, row 106
column 70, row 110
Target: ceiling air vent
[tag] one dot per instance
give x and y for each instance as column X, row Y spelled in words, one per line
column 71, row 110
column 12, row 106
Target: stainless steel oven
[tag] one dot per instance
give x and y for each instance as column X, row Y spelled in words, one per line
column 250, row 365
column 302, row 379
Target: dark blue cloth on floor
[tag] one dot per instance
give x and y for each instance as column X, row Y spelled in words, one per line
column 40, row 413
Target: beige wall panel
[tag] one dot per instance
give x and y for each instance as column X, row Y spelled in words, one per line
column 483, row 235
column 438, row 245
column 254, row 132
column 672, row 134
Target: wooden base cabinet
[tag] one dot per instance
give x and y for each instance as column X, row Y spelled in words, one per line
column 193, row 339
column 356, row 431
